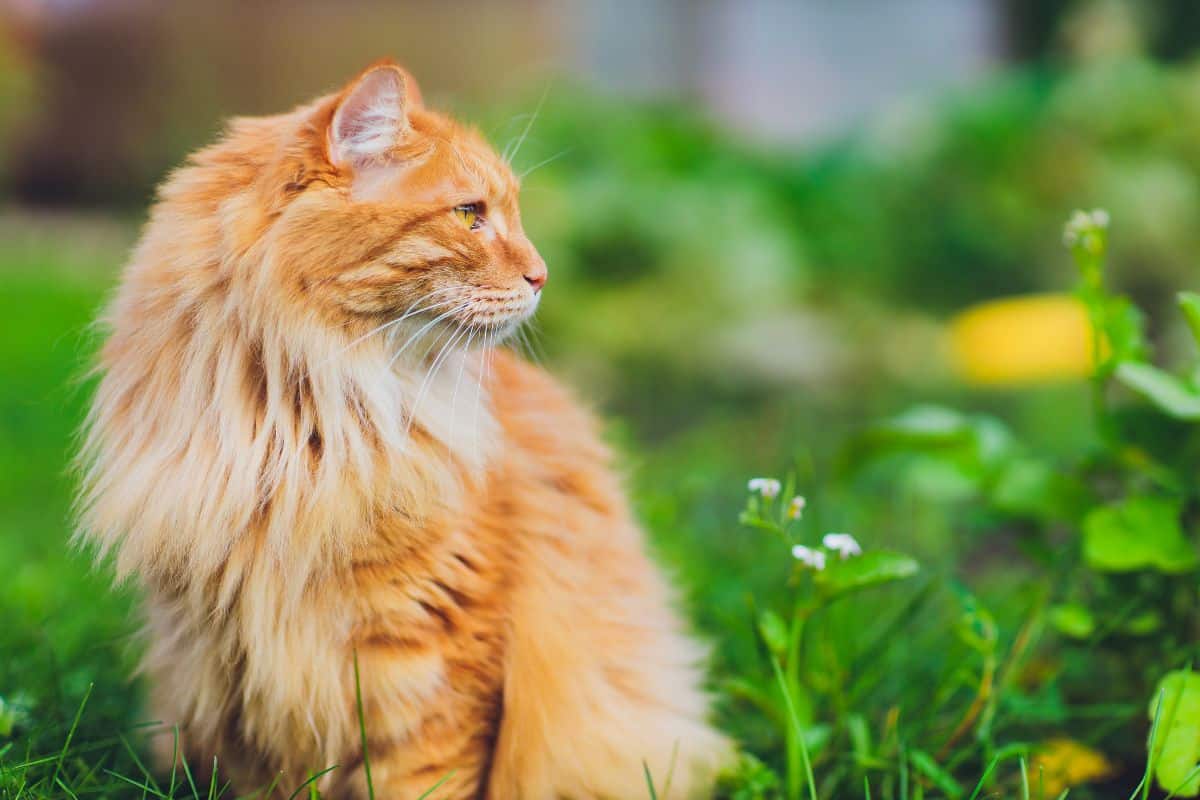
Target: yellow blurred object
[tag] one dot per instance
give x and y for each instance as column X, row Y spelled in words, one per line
column 1022, row 340
column 1063, row 763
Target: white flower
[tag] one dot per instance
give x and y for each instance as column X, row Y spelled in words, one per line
column 796, row 507
column 809, row 556
column 767, row 487
column 843, row 544
column 1084, row 222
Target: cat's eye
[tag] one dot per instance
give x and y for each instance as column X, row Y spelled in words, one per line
column 471, row 214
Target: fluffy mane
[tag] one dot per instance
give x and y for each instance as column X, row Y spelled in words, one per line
column 231, row 413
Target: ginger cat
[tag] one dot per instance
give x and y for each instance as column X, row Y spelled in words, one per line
column 306, row 448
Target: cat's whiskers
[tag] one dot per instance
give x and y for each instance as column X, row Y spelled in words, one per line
column 462, row 306
column 504, row 309
column 411, row 311
column 488, row 357
column 523, row 340
column 483, row 356
column 458, row 332
column 509, row 156
column 533, row 332
column 542, row 163
column 462, row 367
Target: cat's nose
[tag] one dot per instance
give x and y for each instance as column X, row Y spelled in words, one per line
column 536, row 274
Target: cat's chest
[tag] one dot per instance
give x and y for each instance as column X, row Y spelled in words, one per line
column 429, row 632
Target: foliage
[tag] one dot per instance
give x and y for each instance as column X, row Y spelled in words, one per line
column 1175, row 749
column 845, row 247
column 1111, row 533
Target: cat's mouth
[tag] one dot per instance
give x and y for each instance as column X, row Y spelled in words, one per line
column 492, row 311
column 490, row 314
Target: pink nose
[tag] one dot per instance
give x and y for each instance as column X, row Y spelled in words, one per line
column 536, row 276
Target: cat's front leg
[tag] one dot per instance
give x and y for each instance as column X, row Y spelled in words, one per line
column 441, row 753
column 600, row 686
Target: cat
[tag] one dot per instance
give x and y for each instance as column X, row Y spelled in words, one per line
column 339, row 492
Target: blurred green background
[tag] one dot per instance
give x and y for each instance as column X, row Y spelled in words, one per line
column 760, row 219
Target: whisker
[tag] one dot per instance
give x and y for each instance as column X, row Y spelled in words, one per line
column 522, row 342
column 528, row 126
column 496, row 130
column 483, row 355
column 529, row 336
column 409, row 312
column 460, row 307
column 543, row 163
column 458, row 381
column 536, row 334
column 433, row 369
column 489, row 356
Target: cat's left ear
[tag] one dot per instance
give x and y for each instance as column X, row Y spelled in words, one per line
column 372, row 116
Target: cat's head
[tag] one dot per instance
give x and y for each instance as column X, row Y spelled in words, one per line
column 414, row 214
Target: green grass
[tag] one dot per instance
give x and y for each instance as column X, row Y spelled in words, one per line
column 67, row 637
column 919, row 689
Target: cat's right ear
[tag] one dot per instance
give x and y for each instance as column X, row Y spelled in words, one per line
column 371, row 117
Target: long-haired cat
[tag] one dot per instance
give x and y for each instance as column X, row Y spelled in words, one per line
column 306, row 448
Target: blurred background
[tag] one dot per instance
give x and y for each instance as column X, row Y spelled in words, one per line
column 767, row 222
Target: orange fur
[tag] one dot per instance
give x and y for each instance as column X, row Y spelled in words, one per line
column 302, row 463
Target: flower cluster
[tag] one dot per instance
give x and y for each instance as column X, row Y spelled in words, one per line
column 809, row 556
column 767, row 487
column 843, row 544
column 796, row 507
column 1083, row 224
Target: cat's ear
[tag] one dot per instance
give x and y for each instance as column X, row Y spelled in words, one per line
column 371, row 116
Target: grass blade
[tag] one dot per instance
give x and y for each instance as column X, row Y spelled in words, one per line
column 316, row 776
column 797, row 730
column 1191, row 774
column 987, row 773
column 145, row 787
column 429, row 792
column 71, row 733
column 649, row 781
column 362, row 729
column 1143, row 786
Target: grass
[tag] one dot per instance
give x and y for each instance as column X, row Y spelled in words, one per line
column 928, row 690
column 65, row 648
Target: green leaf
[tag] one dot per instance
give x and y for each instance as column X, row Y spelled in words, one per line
column 974, row 441
column 1073, row 620
column 1164, row 390
column 870, row 569
column 927, row 766
column 1177, row 739
column 774, row 632
column 860, row 737
column 1189, row 302
column 816, row 737
column 748, row 779
column 1143, row 624
column 1031, row 488
column 1138, row 533
column 923, row 426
